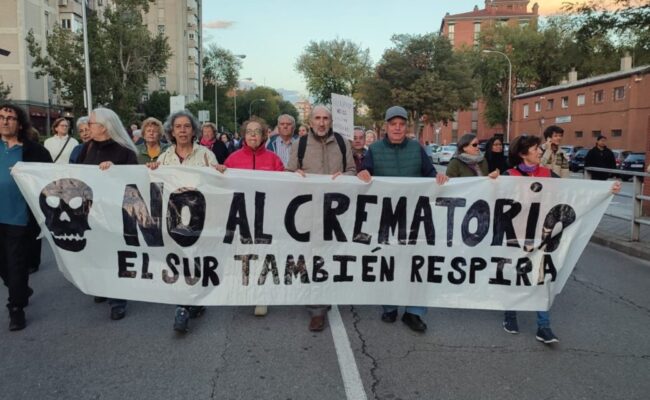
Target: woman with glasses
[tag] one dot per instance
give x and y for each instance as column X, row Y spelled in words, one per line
column 495, row 154
column 182, row 129
column 60, row 145
column 468, row 160
column 254, row 155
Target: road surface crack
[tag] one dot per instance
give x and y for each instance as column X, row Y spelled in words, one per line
column 364, row 350
column 222, row 357
column 606, row 292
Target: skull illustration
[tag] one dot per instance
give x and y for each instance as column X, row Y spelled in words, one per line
column 66, row 204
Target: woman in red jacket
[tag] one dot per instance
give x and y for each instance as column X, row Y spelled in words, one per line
column 254, row 155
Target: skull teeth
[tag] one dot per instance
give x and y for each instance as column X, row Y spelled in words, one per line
column 75, row 237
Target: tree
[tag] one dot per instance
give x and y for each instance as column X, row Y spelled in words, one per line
column 157, row 105
column 5, row 90
column 123, row 55
column 336, row 66
column 270, row 109
column 220, row 67
column 424, row 75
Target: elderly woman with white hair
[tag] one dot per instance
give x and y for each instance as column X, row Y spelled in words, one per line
column 84, row 134
column 182, row 129
column 109, row 144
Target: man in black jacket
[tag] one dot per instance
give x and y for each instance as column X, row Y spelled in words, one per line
column 14, row 212
column 602, row 157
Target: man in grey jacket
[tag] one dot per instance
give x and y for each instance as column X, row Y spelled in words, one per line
column 321, row 151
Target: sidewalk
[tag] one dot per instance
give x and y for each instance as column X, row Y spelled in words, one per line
column 614, row 233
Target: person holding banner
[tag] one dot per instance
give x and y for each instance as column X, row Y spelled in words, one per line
column 321, row 151
column 526, row 155
column 468, row 160
column 182, row 129
column 15, row 240
column 109, row 144
column 255, row 155
column 151, row 148
column 396, row 155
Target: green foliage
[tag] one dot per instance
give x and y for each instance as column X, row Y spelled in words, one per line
column 158, row 105
column 196, row 106
column 123, row 55
column 424, row 75
column 4, row 91
column 220, row 66
column 336, row 66
column 269, row 110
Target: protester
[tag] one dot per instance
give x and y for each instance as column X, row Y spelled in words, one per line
column 303, row 130
column 15, row 235
column 255, row 155
column 525, row 157
column 358, row 147
column 151, row 148
column 60, row 145
column 553, row 156
column 495, row 155
column 237, row 141
column 136, row 134
column 281, row 143
column 225, row 139
column 84, row 135
column 209, row 140
column 396, row 155
column 324, row 152
column 109, row 145
column 468, row 160
column 182, row 129
column 371, row 137
column 600, row 156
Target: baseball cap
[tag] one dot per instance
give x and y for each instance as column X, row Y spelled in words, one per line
column 396, row 111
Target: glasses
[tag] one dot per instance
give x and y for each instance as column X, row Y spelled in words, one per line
column 474, row 144
column 252, row 132
column 8, row 118
column 186, row 126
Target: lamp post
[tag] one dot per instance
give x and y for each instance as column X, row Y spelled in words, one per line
column 250, row 106
column 242, row 56
column 509, row 89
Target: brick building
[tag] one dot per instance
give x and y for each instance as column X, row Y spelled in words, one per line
column 463, row 30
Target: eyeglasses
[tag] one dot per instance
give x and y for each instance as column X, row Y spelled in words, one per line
column 186, row 126
column 252, row 132
column 474, row 144
column 8, row 118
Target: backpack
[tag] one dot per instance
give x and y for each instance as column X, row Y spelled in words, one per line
column 302, row 147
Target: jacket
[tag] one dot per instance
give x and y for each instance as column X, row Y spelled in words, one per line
column 323, row 156
column 143, row 155
column 557, row 161
column 258, row 159
column 601, row 159
column 540, row 172
column 406, row 159
column 199, row 157
column 458, row 169
column 94, row 153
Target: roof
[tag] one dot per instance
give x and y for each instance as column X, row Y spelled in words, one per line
column 486, row 13
column 587, row 81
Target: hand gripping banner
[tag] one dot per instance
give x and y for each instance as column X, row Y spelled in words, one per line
column 195, row 236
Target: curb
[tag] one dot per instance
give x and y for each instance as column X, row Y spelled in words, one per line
column 633, row 249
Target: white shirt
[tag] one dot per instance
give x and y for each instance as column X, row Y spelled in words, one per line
column 56, row 143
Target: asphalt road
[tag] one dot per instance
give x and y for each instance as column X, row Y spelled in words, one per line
column 72, row 350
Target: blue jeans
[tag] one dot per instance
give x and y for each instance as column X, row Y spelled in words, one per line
column 543, row 318
column 419, row 311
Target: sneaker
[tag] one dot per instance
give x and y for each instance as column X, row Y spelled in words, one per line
column 546, row 336
column 98, row 299
column 414, row 322
column 181, row 320
column 389, row 316
column 16, row 319
column 118, row 312
column 510, row 326
column 196, row 311
column 261, row 311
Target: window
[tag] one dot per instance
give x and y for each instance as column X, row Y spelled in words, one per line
column 477, row 32
column 617, row 132
column 595, row 133
column 525, row 111
column 538, row 106
column 578, row 134
column 549, row 104
column 475, row 126
column 100, row 2
column 580, row 100
column 161, row 29
column 454, row 135
column 619, row 93
column 451, row 32
column 66, row 23
column 565, row 102
column 191, row 35
column 599, row 96
column 163, row 82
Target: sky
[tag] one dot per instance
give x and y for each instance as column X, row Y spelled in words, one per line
column 273, row 33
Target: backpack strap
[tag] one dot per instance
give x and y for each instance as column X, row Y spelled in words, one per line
column 341, row 143
column 302, row 147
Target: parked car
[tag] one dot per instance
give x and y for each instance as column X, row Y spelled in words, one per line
column 443, row 154
column 619, row 156
column 633, row 162
column 577, row 163
column 570, row 151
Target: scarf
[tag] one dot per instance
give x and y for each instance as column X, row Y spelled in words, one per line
column 527, row 169
column 471, row 161
column 207, row 142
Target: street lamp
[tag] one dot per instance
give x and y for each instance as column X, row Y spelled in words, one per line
column 250, row 106
column 509, row 89
column 242, row 56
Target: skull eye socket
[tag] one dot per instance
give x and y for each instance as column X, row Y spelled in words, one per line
column 53, row 201
column 75, row 202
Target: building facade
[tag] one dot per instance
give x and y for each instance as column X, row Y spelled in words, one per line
column 463, row 30
column 304, row 110
column 615, row 105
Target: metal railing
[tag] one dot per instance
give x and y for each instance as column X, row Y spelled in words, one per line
column 637, row 197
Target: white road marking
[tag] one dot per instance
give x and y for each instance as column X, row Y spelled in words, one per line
column 347, row 364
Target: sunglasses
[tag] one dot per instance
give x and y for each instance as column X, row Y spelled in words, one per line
column 474, row 144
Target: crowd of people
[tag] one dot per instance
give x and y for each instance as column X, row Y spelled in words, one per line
column 313, row 149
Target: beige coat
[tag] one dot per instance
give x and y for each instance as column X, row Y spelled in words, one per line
column 557, row 162
column 322, row 156
column 199, row 157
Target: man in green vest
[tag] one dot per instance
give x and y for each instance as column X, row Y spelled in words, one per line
column 396, row 155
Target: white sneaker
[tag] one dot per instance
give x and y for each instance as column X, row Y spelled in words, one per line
column 261, row 311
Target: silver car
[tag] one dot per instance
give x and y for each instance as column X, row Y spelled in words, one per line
column 443, row 154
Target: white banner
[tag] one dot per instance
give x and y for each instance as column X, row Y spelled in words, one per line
column 195, row 236
column 343, row 115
